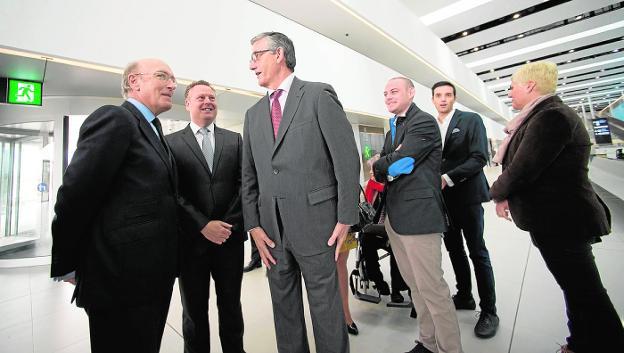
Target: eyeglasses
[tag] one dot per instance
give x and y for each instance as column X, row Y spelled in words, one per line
column 258, row 53
column 163, row 76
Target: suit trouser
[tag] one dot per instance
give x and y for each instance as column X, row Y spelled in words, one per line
column 468, row 219
column 420, row 260
column 224, row 263
column 592, row 320
column 321, row 282
column 129, row 329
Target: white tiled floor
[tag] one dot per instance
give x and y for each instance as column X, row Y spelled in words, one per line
column 36, row 317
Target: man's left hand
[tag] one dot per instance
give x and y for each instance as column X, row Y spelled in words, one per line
column 338, row 237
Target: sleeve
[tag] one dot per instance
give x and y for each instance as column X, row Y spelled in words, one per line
column 234, row 213
column 420, row 139
column 340, row 141
column 102, row 144
column 250, row 191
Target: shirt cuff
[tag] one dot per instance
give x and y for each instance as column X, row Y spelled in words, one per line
column 449, row 182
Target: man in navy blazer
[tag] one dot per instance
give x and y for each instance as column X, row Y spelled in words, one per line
column 464, row 186
column 208, row 159
column 115, row 233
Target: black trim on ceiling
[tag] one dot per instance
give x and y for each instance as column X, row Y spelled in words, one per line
column 502, row 20
column 561, row 78
column 578, row 81
column 593, row 56
column 546, row 28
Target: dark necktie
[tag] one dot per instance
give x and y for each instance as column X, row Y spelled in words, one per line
column 276, row 111
column 400, row 120
column 161, row 136
column 206, row 146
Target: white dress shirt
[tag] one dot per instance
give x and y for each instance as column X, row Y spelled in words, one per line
column 443, row 126
column 200, row 138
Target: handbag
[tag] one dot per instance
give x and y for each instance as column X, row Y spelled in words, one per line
column 366, row 213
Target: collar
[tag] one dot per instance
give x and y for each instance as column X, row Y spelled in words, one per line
column 447, row 119
column 147, row 114
column 285, row 85
column 195, row 127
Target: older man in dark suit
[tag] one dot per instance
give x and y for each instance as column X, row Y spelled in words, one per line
column 300, row 194
column 208, row 159
column 464, row 187
column 115, row 234
column 415, row 215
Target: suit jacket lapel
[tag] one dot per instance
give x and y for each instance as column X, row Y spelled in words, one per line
column 292, row 103
column 400, row 132
column 152, row 138
column 218, row 133
column 191, row 141
column 452, row 124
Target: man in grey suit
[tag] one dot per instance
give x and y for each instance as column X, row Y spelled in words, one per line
column 300, row 194
column 415, row 215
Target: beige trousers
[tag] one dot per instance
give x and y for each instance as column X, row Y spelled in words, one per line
column 419, row 258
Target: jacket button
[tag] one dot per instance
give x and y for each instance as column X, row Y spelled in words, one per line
column 275, row 171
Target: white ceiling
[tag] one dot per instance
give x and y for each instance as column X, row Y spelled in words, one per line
column 566, row 10
column 67, row 80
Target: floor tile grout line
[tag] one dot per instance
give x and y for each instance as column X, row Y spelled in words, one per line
column 513, row 327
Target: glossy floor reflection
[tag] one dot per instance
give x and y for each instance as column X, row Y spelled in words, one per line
column 36, row 316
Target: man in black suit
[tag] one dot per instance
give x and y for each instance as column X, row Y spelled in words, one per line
column 415, row 215
column 115, row 233
column 464, row 187
column 209, row 169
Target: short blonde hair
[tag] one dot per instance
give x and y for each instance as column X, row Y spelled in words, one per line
column 543, row 73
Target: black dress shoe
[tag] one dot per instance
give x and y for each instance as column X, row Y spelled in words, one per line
column 419, row 348
column 383, row 287
column 413, row 313
column 396, row 297
column 464, row 302
column 353, row 329
column 486, row 326
column 252, row 265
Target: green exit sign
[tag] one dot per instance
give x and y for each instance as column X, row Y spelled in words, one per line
column 22, row 92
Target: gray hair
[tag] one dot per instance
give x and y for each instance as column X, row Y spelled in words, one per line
column 279, row 40
column 125, row 85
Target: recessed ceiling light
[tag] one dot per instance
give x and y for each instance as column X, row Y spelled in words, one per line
column 602, row 70
column 578, row 17
column 563, row 83
column 520, row 35
column 528, row 61
column 569, row 61
column 465, row 33
column 491, row 70
column 475, row 49
column 616, row 50
column 571, row 51
column 565, row 77
column 498, row 78
column 516, row 15
column 597, row 77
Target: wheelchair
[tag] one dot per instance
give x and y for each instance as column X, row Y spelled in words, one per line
column 361, row 285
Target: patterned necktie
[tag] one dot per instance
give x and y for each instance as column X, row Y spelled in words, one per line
column 276, row 111
column 206, row 146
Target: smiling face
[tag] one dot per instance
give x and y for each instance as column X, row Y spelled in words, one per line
column 153, row 85
column 201, row 103
column 398, row 96
column 443, row 99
